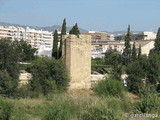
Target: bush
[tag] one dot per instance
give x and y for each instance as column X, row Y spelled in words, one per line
column 48, row 75
column 25, row 50
column 26, row 67
column 135, row 73
column 119, row 105
column 60, row 111
column 135, row 84
column 8, row 85
column 101, row 113
column 22, row 91
column 100, row 69
column 98, row 61
column 5, row 109
column 158, row 88
column 110, row 86
column 147, row 104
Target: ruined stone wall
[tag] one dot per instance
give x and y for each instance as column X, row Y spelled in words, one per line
column 77, row 57
column 24, row 77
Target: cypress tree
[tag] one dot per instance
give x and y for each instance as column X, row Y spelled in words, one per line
column 72, row 31
column 157, row 42
column 75, row 30
column 127, row 49
column 134, row 54
column 139, row 51
column 63, row 32
column 55, row 45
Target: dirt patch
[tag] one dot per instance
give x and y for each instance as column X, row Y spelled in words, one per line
column 134, row 98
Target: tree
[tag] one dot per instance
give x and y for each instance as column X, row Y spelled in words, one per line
column 157, row 42
column 153, row 71
column 7, row 83
column 134, row 54
column 153, row 75
column 9, row 67
column 63, row 32
column 25, row 50
column 115, row 59
column 135, row 74
column 75, row 30
column 55, row 46
column 48, row 75
column 127, row 49
column 139, row 51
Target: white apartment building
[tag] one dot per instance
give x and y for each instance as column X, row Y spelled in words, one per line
column 149, row 35
column 42, row 40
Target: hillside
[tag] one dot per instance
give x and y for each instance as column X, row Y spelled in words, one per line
column 47, row 28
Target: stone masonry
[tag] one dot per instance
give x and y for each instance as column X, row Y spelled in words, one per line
column 77, row 57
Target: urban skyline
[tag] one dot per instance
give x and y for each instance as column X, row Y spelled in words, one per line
column 96, row 15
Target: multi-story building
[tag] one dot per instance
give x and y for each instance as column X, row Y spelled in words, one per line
column 42, row 40
column 11, row 32
column 145, row 35
column 98, row 49
column 99, row 37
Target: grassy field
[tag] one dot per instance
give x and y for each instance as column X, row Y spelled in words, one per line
column 73, row 105
column 78, row 104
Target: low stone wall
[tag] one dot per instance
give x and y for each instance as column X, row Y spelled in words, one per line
column 24, row 77
column 96, row 78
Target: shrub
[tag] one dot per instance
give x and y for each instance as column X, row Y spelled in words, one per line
column 98, row 61
column 48, row 75
column 119, row 105
column 158, row 88
column 100, row 69
column 135, row 84
column 136, row 73
column 25, row 50
column 60, row 111
column 22, row 91
column 148, row 103
column 110, row 86
column 8, row 85
column 5, row 109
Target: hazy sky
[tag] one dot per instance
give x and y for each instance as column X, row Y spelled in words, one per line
column 102, row 15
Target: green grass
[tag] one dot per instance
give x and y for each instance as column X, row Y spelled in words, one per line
column 27, row 109
column 109, row 87
column 68, row 107
column 65, row 106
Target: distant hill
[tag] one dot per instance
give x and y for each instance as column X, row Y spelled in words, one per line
column 58, row 27
column 47, row 28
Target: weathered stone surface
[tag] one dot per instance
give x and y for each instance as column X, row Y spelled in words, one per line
column 77, row 57
column 24, row 77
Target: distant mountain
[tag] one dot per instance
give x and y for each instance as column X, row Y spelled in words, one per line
column 48, row 28
column 58, row 27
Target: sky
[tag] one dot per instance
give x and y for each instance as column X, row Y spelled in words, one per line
column 98, row 15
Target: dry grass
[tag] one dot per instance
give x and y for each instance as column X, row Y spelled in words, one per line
column 80, row 92
column 134, row 98
column 35, row 109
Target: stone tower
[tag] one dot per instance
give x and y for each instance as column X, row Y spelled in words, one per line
column 77, row 57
